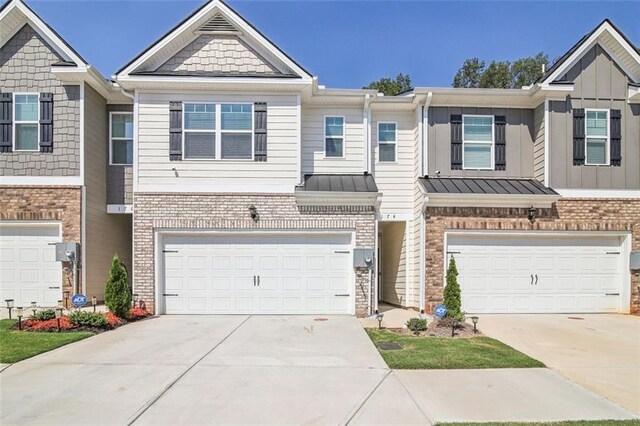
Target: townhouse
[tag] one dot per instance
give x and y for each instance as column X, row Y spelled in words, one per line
column 244, row 186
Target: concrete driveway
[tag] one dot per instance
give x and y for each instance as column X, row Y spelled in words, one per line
column 601, row 352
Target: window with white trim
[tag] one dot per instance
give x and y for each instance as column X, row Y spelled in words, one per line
column 26, row 115
column 597, row 137
column 387, row 142
column 334, row 136
column 218, row 131
column 477, row 142
column 121, row 135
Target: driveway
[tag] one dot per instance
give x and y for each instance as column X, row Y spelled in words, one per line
column 601, row 352
column 281, row 370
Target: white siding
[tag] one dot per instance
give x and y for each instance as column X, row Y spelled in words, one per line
column 278, row 172
column 313, row 159
column 413, row 287
column 396, row 180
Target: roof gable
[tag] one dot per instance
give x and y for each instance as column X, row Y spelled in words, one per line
column 214, row 41
column 612, row 41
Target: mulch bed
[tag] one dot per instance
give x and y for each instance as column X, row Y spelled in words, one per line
column 440, row 328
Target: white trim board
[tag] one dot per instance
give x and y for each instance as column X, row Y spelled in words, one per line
column 186, row 188
column 485, row 200
column 598, row 193
column 41, row 180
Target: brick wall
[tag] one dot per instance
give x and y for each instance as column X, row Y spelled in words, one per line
column 566, row 215
column 60, row 203
column 25, row 62
column 230, row 211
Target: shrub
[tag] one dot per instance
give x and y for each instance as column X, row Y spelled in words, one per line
column 44, row 315
column 117, row 294
column 137, row 313
column 89, row 319
column 416, row 325
column 452, row 293
column 48, row 325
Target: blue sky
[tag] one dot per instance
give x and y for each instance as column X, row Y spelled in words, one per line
column 350, row 43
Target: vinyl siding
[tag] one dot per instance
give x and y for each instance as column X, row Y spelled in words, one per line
column 313, row 158
column 413, row 286
column 538, row 143
column 106, row 234
column 154, row 167
column 598, row 83
column 394, row 262
column 395, row 180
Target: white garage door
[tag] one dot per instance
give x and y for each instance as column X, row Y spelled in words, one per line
column 28, row 268
column 534, row 274
column 249, row 274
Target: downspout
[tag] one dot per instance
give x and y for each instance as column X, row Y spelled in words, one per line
column 423, row 238
column 366, row 124
column 425, row 135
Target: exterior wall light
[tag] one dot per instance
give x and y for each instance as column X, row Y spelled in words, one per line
column 475, row 324
column 253, row 211
column 532, row 213
column 60, row 303
column 58, row 316
column 9, row 306
column 34, row 307
column 19, row 315
column 454, row 324
column 94, row 302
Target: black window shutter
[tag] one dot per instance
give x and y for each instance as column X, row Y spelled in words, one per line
column 456, row 142
column 46, row 122
column 6, row 121
column 616, row 137
column 260, row 131
column 578, row 136
column 500, row 124
column 175, row 131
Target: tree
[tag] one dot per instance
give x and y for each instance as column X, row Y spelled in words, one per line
column 469, row 74
column 500, row 74
column 452, row 295
column 117, row 294
column 390, row 87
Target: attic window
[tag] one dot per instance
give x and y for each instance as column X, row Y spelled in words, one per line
column 218, row 24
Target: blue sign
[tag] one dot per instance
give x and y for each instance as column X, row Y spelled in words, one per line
column 440, row 311
column 79, row 300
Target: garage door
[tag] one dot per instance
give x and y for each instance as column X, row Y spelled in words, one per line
column 28, row 268
column 249, row 274
column 532, row 274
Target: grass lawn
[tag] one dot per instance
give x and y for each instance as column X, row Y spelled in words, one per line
column 443, row 353
column 18, row 345
column 572, row 423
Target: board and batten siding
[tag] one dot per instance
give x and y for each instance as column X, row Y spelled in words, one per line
column 395, row 179
column 106, row 234
column 519, row 142
column 538, row 143
column 313, row 158
column 598, row 83
column 155, row 171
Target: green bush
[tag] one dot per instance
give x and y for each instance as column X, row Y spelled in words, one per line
column 89, row 319
column 416, row 325
column 117, row 295
column 44, row 315
column 452, row 294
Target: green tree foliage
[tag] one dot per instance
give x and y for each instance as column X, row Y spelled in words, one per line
column 452, row 294
column 117, row 295
column 500, row 74
column 391, row 87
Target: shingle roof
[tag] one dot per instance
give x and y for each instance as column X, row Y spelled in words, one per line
column 339, row 183
column 489, row 186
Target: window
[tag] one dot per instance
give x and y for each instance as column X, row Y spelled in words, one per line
column 387, row 138
column 334, row 136
column 121, row 138
column 597, row 137
column 26, row 113
column 477, row 142
column 218, row 131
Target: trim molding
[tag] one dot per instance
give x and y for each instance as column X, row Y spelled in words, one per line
column 329, row 198
column 41, row 180
column 598, row 193
column 484, row 200
column 215, row 188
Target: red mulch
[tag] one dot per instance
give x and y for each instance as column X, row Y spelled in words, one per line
column 48, row 325
column 135, row 314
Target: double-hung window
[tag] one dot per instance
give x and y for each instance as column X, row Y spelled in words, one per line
column 121, row 138
column 387, row 140
column 218, row 131
column 334, row 136
column 597, row 137
column 26, row 119
column 477, row 142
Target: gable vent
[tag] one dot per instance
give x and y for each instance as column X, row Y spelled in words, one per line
column 218, row 24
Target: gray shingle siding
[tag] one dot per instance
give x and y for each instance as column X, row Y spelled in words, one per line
column 25, row 62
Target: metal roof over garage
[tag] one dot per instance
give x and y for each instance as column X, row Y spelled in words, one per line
column 489, row 186
column 338, row 183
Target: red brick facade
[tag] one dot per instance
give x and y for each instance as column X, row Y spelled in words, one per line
column 230, row 211
column 47, row 203
column 566, row 215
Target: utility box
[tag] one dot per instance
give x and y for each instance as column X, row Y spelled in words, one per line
column 363, row 258
column 67, row 252
column 634, row 260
